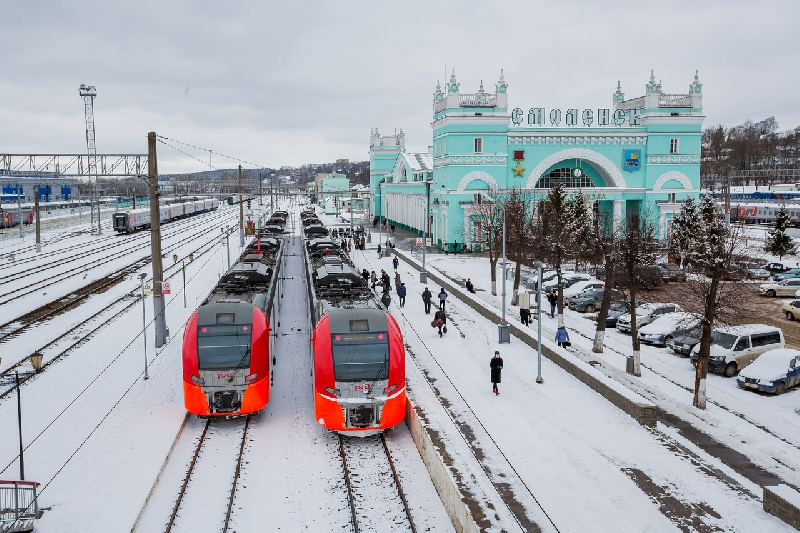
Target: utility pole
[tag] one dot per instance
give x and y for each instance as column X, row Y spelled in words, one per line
column 36, row 214
column 727, row 188
column 19, row 209
column 260, row 195
column 241, row 211
column 88, row 93
column 155, row 243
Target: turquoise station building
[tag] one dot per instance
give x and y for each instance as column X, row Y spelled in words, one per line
column 640, row 153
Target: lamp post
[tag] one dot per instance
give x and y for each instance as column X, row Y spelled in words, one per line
column 144, row 326
column 423, row 274
column 36, row 362
column 539, row 323
column 503, row 328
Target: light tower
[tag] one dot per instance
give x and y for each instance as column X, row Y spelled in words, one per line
column 88, row 92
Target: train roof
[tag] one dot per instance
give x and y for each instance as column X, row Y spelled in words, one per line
column 253, row 277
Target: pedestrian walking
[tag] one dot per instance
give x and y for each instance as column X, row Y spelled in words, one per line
column 380, row 254
column 470, row 287
column 386, row 299
column 525, row 316
column 393, row 228
column 395, row 263
column 440, row 321
column 396, row 278
column 401, row 294
column 455, row 247
column 426, row 299
column 374, row 279
column 553, row 299
column 562, row 337
column 496, row 365
column 365, row 275
column 442, row 298
column 385, row 279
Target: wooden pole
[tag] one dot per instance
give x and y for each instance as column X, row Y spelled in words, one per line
column 155, row 243
column 36, row 214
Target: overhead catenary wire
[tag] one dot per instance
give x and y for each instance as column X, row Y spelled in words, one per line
column 255, row 165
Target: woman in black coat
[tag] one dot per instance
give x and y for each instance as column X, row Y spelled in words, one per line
column 496, row 365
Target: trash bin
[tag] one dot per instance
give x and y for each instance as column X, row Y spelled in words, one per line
column 629, row 364
column 504, row 332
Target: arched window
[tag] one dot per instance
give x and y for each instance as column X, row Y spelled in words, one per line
column 564, row 175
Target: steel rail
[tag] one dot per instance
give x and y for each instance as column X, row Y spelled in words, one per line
column 347, row 483
column 236, row 474
column 398, row 484
column 188, row 476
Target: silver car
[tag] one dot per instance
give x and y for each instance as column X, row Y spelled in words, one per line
column 787, row 287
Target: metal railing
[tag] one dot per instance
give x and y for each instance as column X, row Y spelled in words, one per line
column 18, row 506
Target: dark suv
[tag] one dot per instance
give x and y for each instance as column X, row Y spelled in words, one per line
column 672, row 272
column 589, row 302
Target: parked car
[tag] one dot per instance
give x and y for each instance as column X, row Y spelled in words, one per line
column 614, row 311
column 791, row 309
column 776, row 268
column 645, row 314
column 683, row 343
column 672, row 272
column 650, row 276
column 581, row 287
column 756, row 271
column 666, row 327
column 735, row 347
column 566, row 281
column 734, row 272
column 775, row 371
column 787, row 287
column 791, row 273
column 589, row 302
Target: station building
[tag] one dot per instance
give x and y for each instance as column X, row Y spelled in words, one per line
column 641, row 153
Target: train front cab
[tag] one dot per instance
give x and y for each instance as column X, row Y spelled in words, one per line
column 359, row 372
column 121, row 222
column 226, row 366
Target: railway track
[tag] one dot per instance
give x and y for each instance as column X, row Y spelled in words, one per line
column 105, row 316
column 203, row 489
column 377, row 501
column 19, row 292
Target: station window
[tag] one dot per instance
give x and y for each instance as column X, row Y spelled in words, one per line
column 478, row 145
column 674, row 146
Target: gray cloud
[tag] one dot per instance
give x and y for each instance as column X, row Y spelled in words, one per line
column 287, row 83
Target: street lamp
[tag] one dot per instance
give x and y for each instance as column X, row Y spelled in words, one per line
column 36, row 362
column 423, row 274
column 538, row 265
column 503, row 327
column 142, row 276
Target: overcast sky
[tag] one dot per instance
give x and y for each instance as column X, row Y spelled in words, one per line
column 294, row 82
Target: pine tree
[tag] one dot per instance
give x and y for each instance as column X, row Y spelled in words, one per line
column 684, row 229
column 778, row 243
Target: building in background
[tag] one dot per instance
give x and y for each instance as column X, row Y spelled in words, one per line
column 51, row 189
column 639, row 154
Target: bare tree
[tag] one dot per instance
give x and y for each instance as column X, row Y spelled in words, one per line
column 637, row 247
column 490, row 218
column 601, row 246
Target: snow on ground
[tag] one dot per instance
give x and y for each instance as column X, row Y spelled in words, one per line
column 734, row 416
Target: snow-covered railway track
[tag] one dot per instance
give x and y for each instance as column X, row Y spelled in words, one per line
column 20, row 292
column 205, row 498
column 376, row 498
column 93, row 323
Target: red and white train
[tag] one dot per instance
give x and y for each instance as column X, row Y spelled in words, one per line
column 227, row 346
column 131, row 220
column 763, row 213
column 358, row 349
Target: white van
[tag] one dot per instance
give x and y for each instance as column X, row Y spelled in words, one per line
column 735, row 347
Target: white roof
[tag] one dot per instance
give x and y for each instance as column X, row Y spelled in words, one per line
column 747, row 329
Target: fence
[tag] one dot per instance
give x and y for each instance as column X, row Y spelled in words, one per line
column 18, row 506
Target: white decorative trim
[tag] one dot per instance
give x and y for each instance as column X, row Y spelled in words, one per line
column 477, row 175
column 607, row 168
column 587, row 139
column 672, row 175
column 672, row 159
column 477, row 159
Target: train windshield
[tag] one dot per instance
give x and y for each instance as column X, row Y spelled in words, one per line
column 360, row 357
column 223, row 347
column 119, row 221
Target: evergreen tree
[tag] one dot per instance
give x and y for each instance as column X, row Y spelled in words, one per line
column 684, row 229
column 778, row 243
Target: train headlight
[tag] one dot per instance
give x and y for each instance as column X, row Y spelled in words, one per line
column 198, row 380
column 391, row 388
column 252, row 377
column 333, row 392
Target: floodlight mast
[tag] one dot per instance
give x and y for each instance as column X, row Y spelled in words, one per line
column 88, row 92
